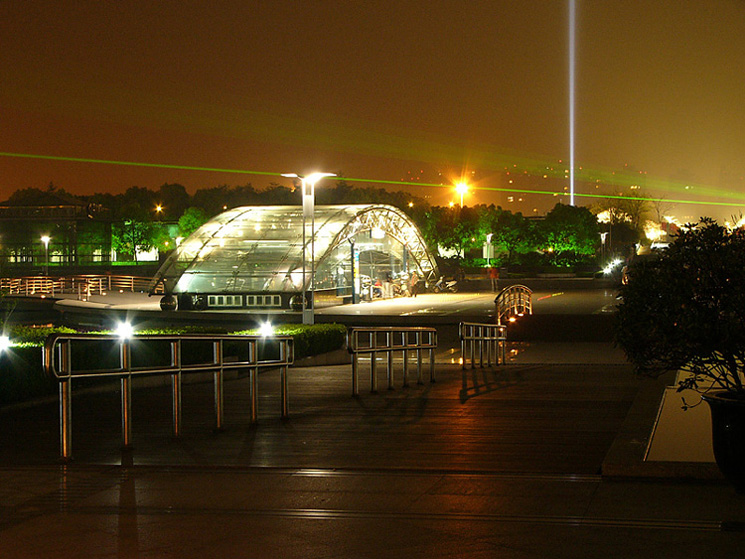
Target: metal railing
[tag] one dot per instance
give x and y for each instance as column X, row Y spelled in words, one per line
column 484, row 339
column 513, row 300
column 373, row 340
column 65, row 360
column 81, row 285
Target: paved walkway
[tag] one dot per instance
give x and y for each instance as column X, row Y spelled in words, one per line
column 483, row 463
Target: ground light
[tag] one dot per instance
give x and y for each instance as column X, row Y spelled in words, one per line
column 266, row 330
column 124, row 330
column 4, row 343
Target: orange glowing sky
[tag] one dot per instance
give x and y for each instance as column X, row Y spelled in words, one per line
column 368, row 89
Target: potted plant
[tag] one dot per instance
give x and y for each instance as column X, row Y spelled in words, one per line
column 684, row 310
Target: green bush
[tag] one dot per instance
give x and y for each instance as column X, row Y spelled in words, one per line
column 311, row 339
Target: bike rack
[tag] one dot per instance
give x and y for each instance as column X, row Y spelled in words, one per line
column 58, row 364
column 367, row 340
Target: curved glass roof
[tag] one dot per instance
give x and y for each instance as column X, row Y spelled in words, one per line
column 260, row 248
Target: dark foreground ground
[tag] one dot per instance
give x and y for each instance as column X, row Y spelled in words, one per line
column 483, row 463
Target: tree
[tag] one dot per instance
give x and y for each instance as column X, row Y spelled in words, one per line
column 192, row 219
column 452, row 228
column 129, row 236
column 511, row 232
column 683, row 309
column 570, row 231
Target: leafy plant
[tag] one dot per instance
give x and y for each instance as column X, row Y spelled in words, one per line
column 683, row 311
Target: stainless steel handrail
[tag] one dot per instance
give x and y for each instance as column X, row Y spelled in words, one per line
column 367, row 340
column 82, row 285
column 514, row 300
column 58, row 364
column 484, row 338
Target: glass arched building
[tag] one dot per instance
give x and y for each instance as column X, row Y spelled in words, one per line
column 252, row 257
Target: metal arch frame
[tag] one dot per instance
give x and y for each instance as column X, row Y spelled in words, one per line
column 380, row 213
column 390, row 219
column 173, row 259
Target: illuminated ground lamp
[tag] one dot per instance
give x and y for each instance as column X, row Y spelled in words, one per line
column 45, row 239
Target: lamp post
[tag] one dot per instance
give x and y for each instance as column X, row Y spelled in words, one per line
column 308, row 184
column 45, row 239
column 461, row 188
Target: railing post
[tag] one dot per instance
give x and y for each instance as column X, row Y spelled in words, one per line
column 418, row 338
column 126, row 384
column 503, row 343
column 462, row 333
column 373, row 362
column 284, row 397
column 481, row 346
column 432, row 343
column 65, row 403
column 176, row 386
column 487, row 341
column 217, row 358
column 253, row 387
column 389, row 360
column 352, row 339
column 404, row 344
column 472, row 337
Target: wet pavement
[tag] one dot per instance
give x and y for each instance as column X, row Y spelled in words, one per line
column 505, row 462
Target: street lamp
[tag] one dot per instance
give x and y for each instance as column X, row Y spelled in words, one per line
column 45, row 239
column 461, row 188
column 309, row 192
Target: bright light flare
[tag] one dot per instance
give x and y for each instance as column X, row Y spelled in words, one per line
column 653, row 231
column 608, row 270
column 4, row 343
column 125, row 330
column 266, row 330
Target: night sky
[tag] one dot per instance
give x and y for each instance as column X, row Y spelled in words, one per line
column 424, row 91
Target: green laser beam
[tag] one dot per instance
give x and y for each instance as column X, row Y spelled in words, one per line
column 543, row 192
column 359, row 180
column 136, row 164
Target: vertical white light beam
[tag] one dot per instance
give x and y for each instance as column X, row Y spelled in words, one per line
column 571, row 101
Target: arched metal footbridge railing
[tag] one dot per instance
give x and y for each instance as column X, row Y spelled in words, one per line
column 515, row 300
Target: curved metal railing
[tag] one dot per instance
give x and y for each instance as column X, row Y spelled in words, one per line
column 515, row 300
column 82, row 285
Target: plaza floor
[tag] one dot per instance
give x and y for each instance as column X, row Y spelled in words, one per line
column 492, row 462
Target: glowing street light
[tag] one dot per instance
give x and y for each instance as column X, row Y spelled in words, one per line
column 45, row 239
column 309, row 199
column 461, row 188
